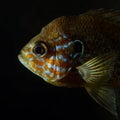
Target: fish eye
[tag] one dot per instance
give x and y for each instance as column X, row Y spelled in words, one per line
column 79, row 47
column 40, row 48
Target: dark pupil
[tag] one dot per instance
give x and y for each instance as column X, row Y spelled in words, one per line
column 39, row 49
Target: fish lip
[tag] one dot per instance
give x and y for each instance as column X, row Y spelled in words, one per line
column 23, row 60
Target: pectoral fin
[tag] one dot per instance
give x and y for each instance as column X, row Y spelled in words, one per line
column 98, row 69
column 105, row 96
column 97, row 72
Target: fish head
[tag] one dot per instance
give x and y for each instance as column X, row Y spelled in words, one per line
column 51, row 57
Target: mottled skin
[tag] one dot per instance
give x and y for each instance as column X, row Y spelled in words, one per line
column 99, row 35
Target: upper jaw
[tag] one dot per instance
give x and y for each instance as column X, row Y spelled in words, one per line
column 23, row 60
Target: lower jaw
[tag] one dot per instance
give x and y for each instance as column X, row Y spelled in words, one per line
column 23, row 61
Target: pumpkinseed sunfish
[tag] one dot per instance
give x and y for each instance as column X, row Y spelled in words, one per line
column 79, row 51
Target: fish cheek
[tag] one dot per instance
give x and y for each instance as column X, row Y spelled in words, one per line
column 36, row 66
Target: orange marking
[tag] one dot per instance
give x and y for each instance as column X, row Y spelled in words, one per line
column 57, row 63
column 48, row 76
column 33, row 66
column 39, row 69
column 51, row 70
column 46, row 67
column 38, row 62
column 62, row 42
column 63, row 64
column 58, row 72
column 29, row 56
column 50, row 61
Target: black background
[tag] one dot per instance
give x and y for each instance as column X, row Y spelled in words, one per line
column 22, row 92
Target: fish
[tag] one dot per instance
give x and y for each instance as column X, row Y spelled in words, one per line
column 79, row 51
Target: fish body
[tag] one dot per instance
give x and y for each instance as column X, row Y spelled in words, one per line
column 79, row 51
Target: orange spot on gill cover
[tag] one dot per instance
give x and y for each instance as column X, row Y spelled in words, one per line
column 64, row 64
column 46, row 67
column 49, row 61
column 51, row 70
column 60, row 73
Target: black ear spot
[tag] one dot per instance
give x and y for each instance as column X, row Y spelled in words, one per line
column 79, row 47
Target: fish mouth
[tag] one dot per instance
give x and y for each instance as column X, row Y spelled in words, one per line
column 24, row 61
